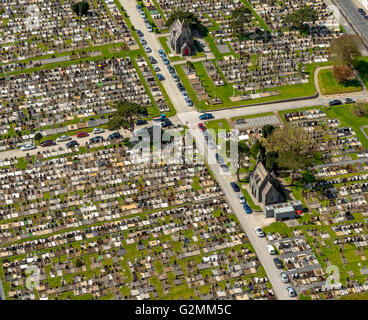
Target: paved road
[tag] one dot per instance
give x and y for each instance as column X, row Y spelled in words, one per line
column 350, row 11
column 190, row 118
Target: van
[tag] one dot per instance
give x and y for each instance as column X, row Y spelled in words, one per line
column 271, row 250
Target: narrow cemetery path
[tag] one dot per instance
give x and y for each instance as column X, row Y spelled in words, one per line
column 345, row 162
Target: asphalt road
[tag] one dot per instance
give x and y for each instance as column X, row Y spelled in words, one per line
column 190, row 117
column 350, row 11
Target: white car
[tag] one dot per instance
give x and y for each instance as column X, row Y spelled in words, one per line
column 271, row 250
column 27, row 147
column 98, row 130
column 63, row 138
column 259, row 232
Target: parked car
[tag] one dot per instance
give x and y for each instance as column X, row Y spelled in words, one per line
column 271, row 250
column 235, row 186
column 349, row 100
column 247, row 208
column 160, row 77
column 201, row 126
column 224, row 167
column 219, row 159
column 29, row 146
column 166, row 61
column 98, row 130
column 63, row 138
column 291, row 292
column 140, row 33
column 180, row 86
column 82, row 134
column 176, row 78
column 166, row 124
column 161, row 53
column 152, row 59
column 149, row 28
column 284, row 277
column 47, row 143
column 147, row 48
column 142, row 41
column 206, row 116
column 189, row 102
column 241, row 198
column 259, row 232
column 335, row 102
column 361, row 11
column 278, row 263
column 72, row 144
column 141, row 122
column 171, row 69
column 156, row 68
column 138, row 7
column 114, row 135
column 96, row 139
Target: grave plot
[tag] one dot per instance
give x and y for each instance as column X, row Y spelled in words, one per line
column 46, row 28
column 115, row 229
column 59, row 99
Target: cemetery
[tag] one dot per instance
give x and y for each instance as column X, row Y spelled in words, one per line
column 96, row 225
column 75, row 96
column 277, row 61
column 44, row 28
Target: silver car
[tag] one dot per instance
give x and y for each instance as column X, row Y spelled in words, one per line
column 241, row 198
column 284, row 277
column 291, row 292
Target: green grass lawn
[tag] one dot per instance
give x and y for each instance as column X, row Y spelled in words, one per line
column 165, row 46
column 329, row 85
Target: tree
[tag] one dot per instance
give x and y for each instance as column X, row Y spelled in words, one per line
column 256, row 148
column 243, row 151
column 342, row 73
column 267, row 130
column 80, row 8
column 185, row 17
column 241, row 16
column 292, row 145
column 360, row 110
column 38, row 136
column 300, row 18
column 271, row 160
column 345, row 49
column 126, row 115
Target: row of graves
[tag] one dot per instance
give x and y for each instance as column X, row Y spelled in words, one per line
column 266, row 58
column 302, row 267
column 32, row 29
column 152, row 85
column 328, row 138
column 97, row 225
column 49, row 98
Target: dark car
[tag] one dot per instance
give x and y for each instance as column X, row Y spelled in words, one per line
column 166, row 124
column 235, row 187
column 361, row 11
column 141, row 122
column 47, row 143
column 180, row 86
column 72, row 144
column 171, row 69
column 114, row 135
column 335, row 102
column 96, row 139
column 206, row 116
column 219, row 159
column 152, row 60
column 278, row 263
column 140, row 33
